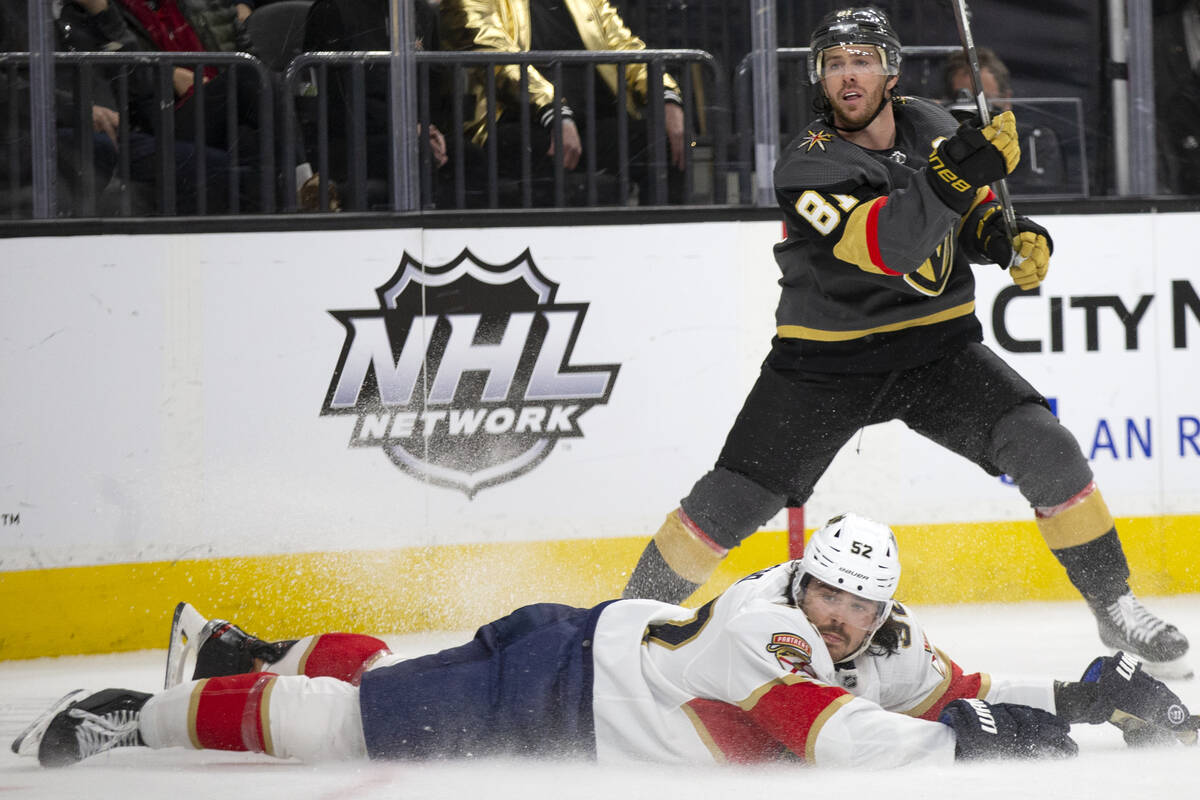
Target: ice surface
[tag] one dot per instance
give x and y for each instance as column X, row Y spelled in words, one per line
column 1056, row 639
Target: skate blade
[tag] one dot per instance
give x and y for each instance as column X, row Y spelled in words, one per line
column 28, row 740
column 1175, row 670
column 187, row 628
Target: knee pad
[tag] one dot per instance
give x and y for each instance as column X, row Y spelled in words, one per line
column 1040, row 455
column 344, row 656
column 728, row 506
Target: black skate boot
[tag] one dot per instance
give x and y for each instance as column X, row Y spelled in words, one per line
column 218, row 646
column 95, row 724
column 1127, row 625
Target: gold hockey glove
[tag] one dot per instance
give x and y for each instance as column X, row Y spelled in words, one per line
column 1032, row 244
column 1033, row 250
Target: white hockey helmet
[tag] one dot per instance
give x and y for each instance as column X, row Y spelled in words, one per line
column 854, row 554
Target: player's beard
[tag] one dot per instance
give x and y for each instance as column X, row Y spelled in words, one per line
column 845, row 639
column 868, row 107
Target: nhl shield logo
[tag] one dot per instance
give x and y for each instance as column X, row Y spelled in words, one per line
column 462, row 376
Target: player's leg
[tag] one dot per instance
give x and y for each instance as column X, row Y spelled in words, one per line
column 521, row 686
column 1046, row 463
column 219, row 647
column 978, row 406
column 286, row 716
column 790, row 427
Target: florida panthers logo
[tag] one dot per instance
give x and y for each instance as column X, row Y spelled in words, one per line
column 791, row 651
column 462, row 376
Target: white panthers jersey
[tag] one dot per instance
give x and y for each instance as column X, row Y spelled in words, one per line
column 746, row 678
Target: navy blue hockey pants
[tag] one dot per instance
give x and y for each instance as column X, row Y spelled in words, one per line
column 522, row 686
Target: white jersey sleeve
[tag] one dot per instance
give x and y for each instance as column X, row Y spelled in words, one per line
column 920, row 679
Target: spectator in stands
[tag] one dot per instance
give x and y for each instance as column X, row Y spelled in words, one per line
column 199, row 26
column 1042, row 169
column 1177, row 93
column 95, row 25
column 360, row 25
column 524, row 25
column 15, row 152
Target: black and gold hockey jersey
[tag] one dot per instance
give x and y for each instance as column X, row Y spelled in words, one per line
column 876, row 276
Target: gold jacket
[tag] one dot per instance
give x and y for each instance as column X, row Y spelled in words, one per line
column 504, row 25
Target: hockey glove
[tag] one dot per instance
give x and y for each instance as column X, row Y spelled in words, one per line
column 972, row 158
column 1006, row 730
column 1032, row 243
column 1117, row 690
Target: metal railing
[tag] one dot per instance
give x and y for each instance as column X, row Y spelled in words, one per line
column 308, row 78
column 300, row 104
column 82, row 67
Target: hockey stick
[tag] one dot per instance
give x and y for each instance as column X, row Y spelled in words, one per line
column 1001, row 186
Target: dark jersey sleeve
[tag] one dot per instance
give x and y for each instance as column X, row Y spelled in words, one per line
column 857, row 215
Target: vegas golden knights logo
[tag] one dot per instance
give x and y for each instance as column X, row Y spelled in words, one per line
column 930, row 278
column 462, row 375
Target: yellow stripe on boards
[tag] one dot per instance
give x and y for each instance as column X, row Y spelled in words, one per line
column 116, row 607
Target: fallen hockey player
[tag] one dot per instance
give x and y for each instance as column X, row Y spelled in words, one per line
column 811, row 661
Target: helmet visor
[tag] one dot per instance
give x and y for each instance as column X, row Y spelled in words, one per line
column 824, row 602
column 850, row 59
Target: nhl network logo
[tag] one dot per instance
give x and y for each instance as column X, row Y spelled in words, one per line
column 462, row 375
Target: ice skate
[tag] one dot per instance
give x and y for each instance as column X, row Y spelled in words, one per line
column 215, row 647
column 1127, row 625
column 95, row 724
column 186, row 627
column 26, row 743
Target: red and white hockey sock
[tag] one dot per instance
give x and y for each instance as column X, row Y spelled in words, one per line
column 344, row 656
column 313, row 719
column 224, row 713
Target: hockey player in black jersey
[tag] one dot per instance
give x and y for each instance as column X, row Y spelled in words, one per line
column 887, row 205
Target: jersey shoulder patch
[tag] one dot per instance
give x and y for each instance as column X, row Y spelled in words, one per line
column 820, row 159
column 792, row 651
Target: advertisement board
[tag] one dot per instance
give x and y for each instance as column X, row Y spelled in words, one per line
column 389, row 413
